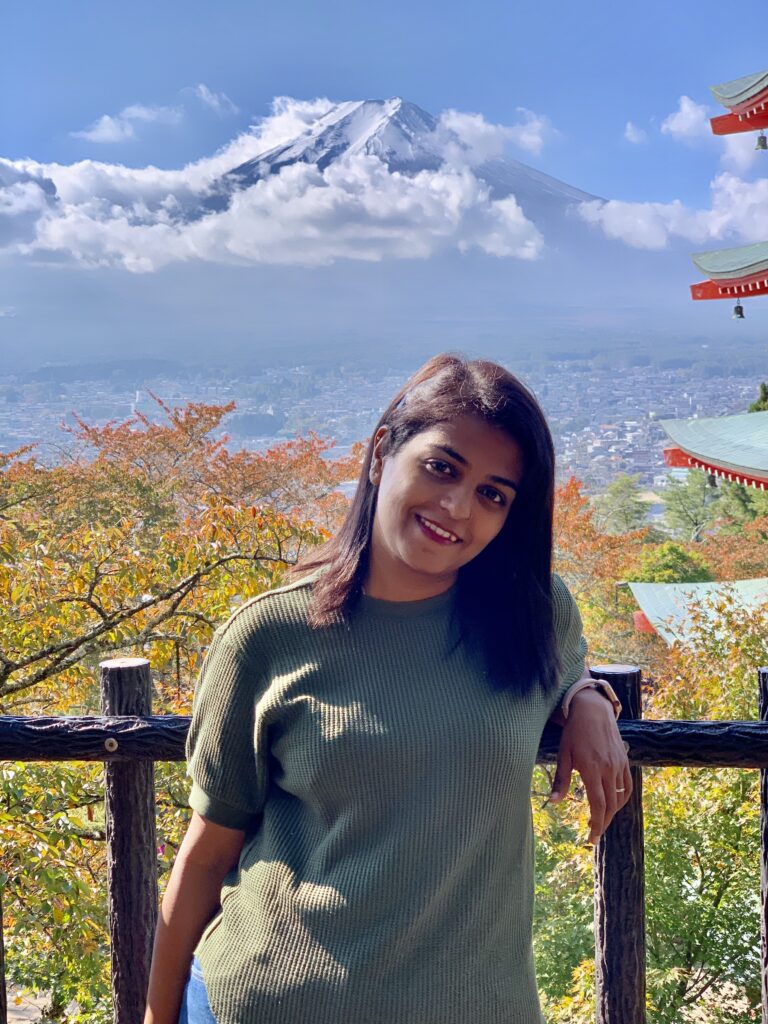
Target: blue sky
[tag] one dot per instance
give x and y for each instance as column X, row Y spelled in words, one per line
column 585, row 71
column 589, row 67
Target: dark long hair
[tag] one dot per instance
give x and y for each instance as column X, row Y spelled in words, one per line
column 504, row 600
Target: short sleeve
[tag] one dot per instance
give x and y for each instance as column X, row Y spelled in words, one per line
column 225, row 759
column 569, row 636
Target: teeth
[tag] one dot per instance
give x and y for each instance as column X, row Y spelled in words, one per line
column 439, row 530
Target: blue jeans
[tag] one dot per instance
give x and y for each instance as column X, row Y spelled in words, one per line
column 195, row 1008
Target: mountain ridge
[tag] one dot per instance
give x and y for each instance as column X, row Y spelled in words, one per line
column 407, row 139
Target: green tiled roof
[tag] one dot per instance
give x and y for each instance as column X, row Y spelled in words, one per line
column 738, row 444
column 666, row 605
column 730, row 94
column 722, row 264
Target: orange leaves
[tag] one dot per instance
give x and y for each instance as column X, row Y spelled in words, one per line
column 588, row 557
column 740, row 554
column 142, row 541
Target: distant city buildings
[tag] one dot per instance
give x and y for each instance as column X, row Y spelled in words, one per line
column 604, row 422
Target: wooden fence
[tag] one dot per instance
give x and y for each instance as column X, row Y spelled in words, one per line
column 128, row 738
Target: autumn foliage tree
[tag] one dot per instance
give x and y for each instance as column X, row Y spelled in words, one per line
column 140, row 540
column 702, row 827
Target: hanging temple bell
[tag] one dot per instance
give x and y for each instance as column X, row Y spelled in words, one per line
column 738, row 311
column 762, row 142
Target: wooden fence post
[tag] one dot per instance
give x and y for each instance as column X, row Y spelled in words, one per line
column 126, row 689
column 620, row 886
column 762, row 676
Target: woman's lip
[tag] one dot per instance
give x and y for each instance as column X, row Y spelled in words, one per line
column 425, row 524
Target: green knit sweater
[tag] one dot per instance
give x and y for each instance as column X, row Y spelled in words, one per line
column 384, row 787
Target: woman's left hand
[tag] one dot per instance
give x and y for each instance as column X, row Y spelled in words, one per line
column 591, row 743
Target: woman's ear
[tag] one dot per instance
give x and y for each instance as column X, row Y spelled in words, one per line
column 377, row 459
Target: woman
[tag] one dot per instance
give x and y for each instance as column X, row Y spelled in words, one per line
column 363, row 739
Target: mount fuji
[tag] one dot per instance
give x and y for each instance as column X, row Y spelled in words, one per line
column 408, row 140
column 356, row 223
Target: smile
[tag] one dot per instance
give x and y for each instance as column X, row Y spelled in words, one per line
column 433, row 528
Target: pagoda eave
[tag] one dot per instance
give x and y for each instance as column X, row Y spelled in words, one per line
column 734, row 289
column 750, row 104
column 731, row 124
column 678, row 458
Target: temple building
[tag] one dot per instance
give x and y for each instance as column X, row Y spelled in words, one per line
column 732, row 273
column 665, row 608
column 747, row 100
column 733, row 448
column 743, row 271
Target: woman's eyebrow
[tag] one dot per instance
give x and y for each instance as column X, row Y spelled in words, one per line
column 460, row 458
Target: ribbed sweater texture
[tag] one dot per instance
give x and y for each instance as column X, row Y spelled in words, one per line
column 384, row 787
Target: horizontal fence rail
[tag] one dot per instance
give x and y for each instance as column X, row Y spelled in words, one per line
column 128, row 738
column 652, row 744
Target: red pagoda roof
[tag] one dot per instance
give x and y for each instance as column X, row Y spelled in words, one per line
column 747, row 99
column 733, row 448
column 733, row 273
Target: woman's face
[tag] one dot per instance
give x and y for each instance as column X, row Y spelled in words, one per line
column 442, row 497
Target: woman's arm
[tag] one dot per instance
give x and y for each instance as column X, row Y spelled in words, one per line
column 591, row 743
column 191, row 899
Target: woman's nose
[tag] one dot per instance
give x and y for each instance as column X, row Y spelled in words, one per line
column 457, row 502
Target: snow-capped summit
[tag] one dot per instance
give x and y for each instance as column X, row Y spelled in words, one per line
column 408, row 140
column 397, row 132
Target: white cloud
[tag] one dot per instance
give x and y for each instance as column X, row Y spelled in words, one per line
column 479, row 140
column 739, row 153
column 689, row 122
column 7, row 312
column 24, row 199
column 165, row 115
column 101, row 214
column 218, row 102
column 107, row 129
column 532, row 132
column 289, row 118
column 121, row 127
column 738, row 215
column 637, row 136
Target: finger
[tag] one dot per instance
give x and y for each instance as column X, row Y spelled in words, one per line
column 628, row 783
column 597, row 808
column 618, row 796
column 562, row 782
column 613, row 797
column 623, row 785
column 615, row 800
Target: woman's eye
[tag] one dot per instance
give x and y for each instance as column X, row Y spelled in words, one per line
column 493, row 495
column 439, row 467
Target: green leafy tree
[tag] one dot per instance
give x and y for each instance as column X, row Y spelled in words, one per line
column 702, row 861
column 702, row 828
column 670, row 563
column 620, row 509
column 689, row 505
column 738, row 505
column 761, row 402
